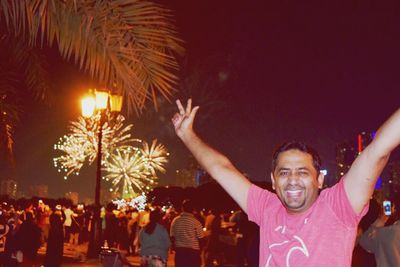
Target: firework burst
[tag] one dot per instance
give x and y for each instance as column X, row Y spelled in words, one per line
column 81, row 144
column 132, row 170
column 155, row 156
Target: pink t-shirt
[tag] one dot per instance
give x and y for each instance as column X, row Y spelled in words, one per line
column 324, row 235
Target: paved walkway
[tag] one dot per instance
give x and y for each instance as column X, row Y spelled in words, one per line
column 76, row 256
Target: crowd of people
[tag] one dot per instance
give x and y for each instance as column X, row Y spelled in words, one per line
column 153, row 234
column 24, row 230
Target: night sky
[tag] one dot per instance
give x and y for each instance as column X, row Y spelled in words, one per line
column 263, row 72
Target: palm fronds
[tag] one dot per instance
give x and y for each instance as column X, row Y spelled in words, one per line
column 127, row 45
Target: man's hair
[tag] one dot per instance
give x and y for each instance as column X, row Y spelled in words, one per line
column 187, row 205
column 155, row 217
column 295, row 145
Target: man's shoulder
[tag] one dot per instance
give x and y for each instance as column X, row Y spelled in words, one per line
column 260, row 194
column 185, row 218
column 333, row 188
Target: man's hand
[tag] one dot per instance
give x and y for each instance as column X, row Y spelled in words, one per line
column 213, row 162
column 183, row 121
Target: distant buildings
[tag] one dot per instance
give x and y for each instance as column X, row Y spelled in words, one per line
column 202, row 177
column 185, row 178
column 347, row 152
column 345, row 155
column 8, row 187
column 393, row 183
column 389, row 182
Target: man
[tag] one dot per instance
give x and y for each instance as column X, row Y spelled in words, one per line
column 298, row 227
column 383, row 239
column 186, row 234
column 67, row 223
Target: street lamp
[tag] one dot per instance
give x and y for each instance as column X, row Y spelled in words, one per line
column 102, row 102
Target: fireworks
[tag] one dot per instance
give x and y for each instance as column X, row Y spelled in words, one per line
column 138, row 203
column 154, row 156
column 81, row 144
column 133, row 170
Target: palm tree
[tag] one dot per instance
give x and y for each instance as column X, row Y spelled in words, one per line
column 21, row 68
column 127, row 45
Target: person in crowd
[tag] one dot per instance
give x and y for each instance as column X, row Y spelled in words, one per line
column 361, row 257
column 383, row 238
column 242, row 229
column 42, row 218
column 186, row 235
column 4, row 229
column 154, row 242
column 86, row 215
column 144, row 217
column 122, row 231
column 132, row 230
column 213, row 246
column 28, row 237
column 75, row 228
column 209, row 218
column 68, row 222
column 11, row 244
column 111, row 227
column 299, row 226
column 168, row 217
column 55, row 243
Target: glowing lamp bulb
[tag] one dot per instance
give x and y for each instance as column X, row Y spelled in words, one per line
column 88, row 106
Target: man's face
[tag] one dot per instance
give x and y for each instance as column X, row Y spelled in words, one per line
column 296, row 181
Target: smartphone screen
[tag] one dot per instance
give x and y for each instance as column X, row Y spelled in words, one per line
column 387, row 207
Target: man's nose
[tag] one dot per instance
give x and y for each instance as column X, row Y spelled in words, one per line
column 294, row 178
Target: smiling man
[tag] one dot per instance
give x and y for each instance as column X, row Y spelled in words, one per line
column 298, row 226
column 296, row 176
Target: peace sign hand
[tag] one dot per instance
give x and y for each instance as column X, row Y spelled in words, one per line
column 183, row 121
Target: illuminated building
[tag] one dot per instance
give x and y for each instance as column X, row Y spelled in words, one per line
column 345, row 155
column 185, row 178
column 394, row 180
column 363, row 140
column 202, row 177
column 347, row 152
column 8, row 187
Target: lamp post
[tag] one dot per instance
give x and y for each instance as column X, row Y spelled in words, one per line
column 101, row 102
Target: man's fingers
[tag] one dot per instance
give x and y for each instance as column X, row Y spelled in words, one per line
column 188, row 106
column 180, row 107
column 193, row 113
column 176, row 117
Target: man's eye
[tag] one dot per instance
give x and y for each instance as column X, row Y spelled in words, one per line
column 284, row 173
column 303, row 173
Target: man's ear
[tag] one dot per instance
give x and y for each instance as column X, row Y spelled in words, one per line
column 321, row 178
column 273, row 180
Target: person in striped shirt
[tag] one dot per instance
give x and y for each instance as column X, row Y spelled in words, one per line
column 186, row 236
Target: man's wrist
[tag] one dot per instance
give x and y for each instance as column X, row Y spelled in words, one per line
column 188, row 135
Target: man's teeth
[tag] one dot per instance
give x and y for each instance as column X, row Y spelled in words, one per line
column 294, row 193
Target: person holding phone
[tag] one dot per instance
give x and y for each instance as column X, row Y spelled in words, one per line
column 299, row 225
column 383, row 236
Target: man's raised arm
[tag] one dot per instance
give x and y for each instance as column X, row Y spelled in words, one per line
column 216, row 164
column 360, row 180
